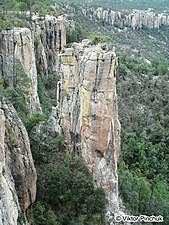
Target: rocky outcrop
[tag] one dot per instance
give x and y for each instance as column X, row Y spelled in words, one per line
column 86, row 107
column 17, row 58
column 89, row 114
column 50, row 38
column 21, row 51
column 135, row 19
column 17, row 172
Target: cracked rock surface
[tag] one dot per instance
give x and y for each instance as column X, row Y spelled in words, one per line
column 17, row 171
column 89, row 114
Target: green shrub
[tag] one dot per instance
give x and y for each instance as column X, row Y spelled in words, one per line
column 38, row 214
column 8, row 23
column 33, row 121
column 17, row 98
column 95, row 39
column 142, row 196
column 44, row 99
column 75, row 35
column 21, row 6
column 52, row 80
column 21, row 218
column 17, row 94
column 75, row 196
column 160, row 66
column 64, row 186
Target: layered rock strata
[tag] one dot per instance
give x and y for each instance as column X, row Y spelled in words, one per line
column 17, row 171
column 89, row 114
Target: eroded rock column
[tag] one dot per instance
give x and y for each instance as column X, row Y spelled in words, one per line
column 89, row 114
column 17, row 58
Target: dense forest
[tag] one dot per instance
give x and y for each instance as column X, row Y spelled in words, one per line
column 143, row 108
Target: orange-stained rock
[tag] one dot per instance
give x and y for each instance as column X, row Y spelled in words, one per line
column 89, row 114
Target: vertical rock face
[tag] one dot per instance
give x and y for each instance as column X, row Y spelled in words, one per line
column 17, row 48
column 50, row 37
column 17, row 55
column 89, row 115
column 17, row 172
column 87, row 102
column 135, row 19
column 34, row 50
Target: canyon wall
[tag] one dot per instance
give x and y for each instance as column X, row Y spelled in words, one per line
column 17, row 58
column 135, row 19
column 17, row 171
column 89, row 114
column 86, row 110
column 50, row 38
column 22, row 53
column 26, row 52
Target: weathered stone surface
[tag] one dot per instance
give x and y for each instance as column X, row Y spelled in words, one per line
column 53, row 125
column 89, row 114
column 17, row 47
column 87, row 105
column 17, row 171
column 50, row 38
column 135, row 19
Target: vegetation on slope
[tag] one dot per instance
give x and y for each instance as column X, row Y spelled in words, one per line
column 143, row 91
column 147, row 43
column 13, row 13
column 65, row 191
column 143, row 109
column 122, row 4
column 66, row 194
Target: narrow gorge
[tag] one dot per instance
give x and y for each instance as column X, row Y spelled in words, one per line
column 84, row 107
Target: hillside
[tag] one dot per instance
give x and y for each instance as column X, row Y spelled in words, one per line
column 124, row 4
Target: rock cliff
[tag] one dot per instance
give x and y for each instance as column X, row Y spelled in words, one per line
column 17, row 50
column 86, row 107
column 22, row 53
column 17, row 171
column 135, row 19
column 89, row 114
column 50, row 38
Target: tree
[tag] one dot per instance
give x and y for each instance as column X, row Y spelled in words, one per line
column 21, row 6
